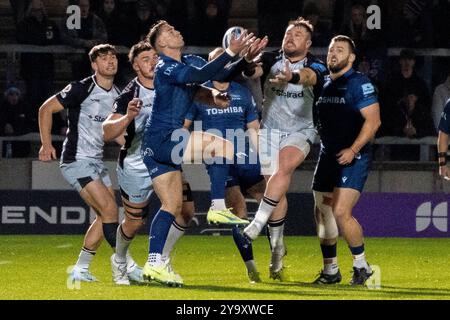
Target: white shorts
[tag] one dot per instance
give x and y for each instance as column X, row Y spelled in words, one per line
column 271, row 141
column 79, row 173
column 135, row 185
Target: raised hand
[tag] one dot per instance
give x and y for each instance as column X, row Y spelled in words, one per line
column 255, row 48
column 134, row 107
column 284, row 76
column 242, row 43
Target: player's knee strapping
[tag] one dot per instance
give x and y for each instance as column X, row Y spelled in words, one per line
column 135, row 213
column 325, row 221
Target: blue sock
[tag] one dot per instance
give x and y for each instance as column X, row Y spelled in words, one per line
column 159, row 230
column 110, row 232
column 356, row 251
column 244, row 246
column 218, row 174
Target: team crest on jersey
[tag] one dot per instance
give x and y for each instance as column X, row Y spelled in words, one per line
column 367, row 88
column 66, row 90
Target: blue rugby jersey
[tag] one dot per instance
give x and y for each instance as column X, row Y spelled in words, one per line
column 242, row 110
column 339, row 109
column 175, row 86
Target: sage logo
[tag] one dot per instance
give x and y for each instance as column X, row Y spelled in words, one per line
column 426, row 216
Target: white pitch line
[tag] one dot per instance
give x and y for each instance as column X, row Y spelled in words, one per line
column 64, row 246
column 5, row 262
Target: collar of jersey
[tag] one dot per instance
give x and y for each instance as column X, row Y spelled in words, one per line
column 94, row 78
column 348, row 73
column 139, row 83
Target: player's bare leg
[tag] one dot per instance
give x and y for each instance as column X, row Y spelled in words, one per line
column 168, row 188
column 344, row 200
column 215, row 151
column 236, row 200
column 277, row 186
column 327, row 231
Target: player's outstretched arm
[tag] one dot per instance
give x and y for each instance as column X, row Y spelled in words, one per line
column 305, row 76
column 116, row 124
column 372, row 122
column 47, row 152
column 442, row 145
column 246, row 64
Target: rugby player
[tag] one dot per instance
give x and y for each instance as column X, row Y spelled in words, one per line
column 88, row 103
column 175, row 79
column 245, row 170
column 293, row 79
column 348, row 116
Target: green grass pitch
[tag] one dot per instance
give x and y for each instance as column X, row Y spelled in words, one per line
column 34, row 267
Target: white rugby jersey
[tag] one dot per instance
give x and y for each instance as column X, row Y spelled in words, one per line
column 88, row 105
column 130, row 153
column 289, row 107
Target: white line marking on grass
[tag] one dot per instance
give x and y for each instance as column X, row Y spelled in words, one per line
column 5, row 262
column 64, row 246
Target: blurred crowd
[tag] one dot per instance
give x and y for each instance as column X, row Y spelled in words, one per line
column 410, row 106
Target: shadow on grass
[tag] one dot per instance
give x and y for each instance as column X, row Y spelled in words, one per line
column 295, row 289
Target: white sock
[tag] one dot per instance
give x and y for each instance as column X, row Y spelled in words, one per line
column 276, row 232
column 330, row 266
column 251, row 266
column 218, row 204
column 175, row 233
column 85, row 258
column 264, row 212
column 359, row 261
column 122, row 244
column 154, row 259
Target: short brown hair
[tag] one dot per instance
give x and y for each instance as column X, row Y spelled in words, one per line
column 302, row 22
column 350, row 42
column 155, row 31
column 104, row 48
column 137, row 49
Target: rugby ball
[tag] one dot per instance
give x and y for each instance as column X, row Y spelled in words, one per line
column 236, row 31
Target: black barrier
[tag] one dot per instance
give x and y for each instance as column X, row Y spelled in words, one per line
column 63, row 212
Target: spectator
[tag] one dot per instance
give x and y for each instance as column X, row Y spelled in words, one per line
column 146, row 17
column 322, row 35
column 440, row 97
column 37, row 69
column 407, row 108
column 14, row 122
column 411, row 25
column 214, row 21
column 91, row 33
column 273, row 17
column 356, row 28
column 112, row 20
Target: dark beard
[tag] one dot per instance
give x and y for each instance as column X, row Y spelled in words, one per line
column 338, row 67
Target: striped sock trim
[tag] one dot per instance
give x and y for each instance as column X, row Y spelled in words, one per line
column 270, row 202
column 181, row 228
column 276, row 223
column 123, row 235
column 88, row 251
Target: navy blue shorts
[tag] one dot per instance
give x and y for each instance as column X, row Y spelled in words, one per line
column 244, row 175
column 161, row 154
column 330, row 174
